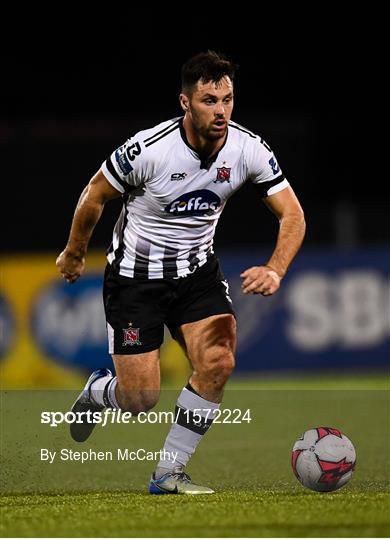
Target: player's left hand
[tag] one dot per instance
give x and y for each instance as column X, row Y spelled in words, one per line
column 260, row 280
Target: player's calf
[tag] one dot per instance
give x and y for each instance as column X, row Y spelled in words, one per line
column 136, row 401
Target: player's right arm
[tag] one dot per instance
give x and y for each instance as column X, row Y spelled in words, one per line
column 71, row 261
column 126, row 168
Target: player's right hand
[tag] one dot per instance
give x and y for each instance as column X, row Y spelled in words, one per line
column 70, row 266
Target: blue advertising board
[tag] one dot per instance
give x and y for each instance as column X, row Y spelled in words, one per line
column 332, row 311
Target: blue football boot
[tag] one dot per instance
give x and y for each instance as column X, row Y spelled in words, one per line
column 81, row 431
column 175, row 483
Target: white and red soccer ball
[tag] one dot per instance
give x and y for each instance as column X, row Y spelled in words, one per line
column 323, row 459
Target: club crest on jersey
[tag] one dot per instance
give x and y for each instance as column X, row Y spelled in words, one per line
column 201, row 202
column 131, row 336
column 223, row 174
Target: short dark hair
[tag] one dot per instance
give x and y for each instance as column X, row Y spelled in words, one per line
column 205, row 67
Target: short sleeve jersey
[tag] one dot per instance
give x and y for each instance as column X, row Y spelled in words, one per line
column 172, row 198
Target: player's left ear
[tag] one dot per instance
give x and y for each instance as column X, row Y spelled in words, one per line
column 184, row 102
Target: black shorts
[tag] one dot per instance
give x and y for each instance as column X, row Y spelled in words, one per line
column 137, row 309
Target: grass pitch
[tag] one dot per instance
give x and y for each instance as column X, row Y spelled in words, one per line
column 248, row 464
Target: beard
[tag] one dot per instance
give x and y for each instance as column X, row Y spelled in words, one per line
column 214, row 135
column 209, row 133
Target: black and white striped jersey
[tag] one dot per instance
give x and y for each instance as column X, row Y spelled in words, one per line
column 172, row 198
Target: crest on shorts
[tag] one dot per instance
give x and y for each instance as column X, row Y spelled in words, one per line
column 131, row 336
column 223, row 174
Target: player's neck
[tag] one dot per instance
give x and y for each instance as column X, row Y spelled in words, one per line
column 204, row 147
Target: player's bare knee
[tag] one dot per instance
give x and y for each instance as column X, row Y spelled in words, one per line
column 226, row 366
column 217, row 369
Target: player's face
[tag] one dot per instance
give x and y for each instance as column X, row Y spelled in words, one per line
column 210, row 107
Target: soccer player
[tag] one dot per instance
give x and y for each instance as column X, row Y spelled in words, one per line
column 174, row 180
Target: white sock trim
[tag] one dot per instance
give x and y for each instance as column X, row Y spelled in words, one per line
column 182, row 441
column 97, row 389
column 111, row 393
column 190, row 400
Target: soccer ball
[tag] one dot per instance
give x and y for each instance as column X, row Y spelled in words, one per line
column 323, row 459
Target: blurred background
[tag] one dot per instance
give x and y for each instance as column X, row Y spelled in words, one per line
column 78, row 84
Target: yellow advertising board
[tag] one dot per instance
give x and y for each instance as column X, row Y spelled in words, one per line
column 53, row 333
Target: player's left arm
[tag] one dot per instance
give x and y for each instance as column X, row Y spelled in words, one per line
column 265, row 279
